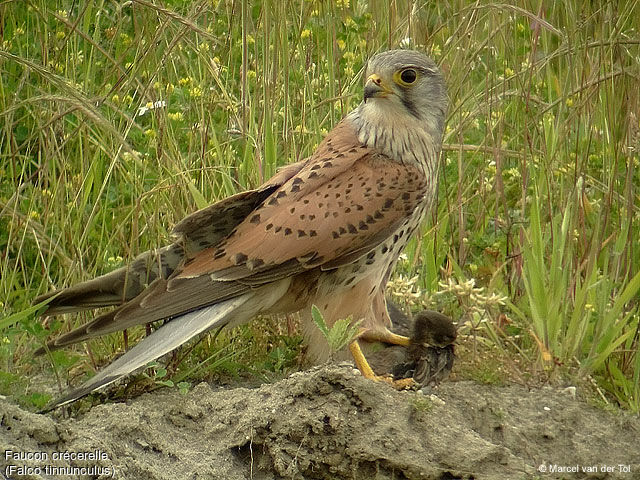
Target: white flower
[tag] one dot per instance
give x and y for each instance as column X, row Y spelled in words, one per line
column 151, row 106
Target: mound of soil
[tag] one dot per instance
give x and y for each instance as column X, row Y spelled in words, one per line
column 327, row 423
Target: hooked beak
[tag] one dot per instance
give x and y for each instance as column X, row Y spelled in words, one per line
column 375, row 88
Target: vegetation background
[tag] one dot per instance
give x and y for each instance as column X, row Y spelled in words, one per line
column 118, row 118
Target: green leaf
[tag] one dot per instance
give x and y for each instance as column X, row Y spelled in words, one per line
column 318, row 319
column 23, row 315
column 342, row 333
column 201, row 202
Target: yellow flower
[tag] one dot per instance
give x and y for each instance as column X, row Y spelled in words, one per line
column 508, row 72
column 60, row 34
column 342, row 3
column 349, row 57
column 150, row 132
column 114, row 261
column 175, row 116
column 569, row 102
column 195, row 92
column 251, row 74
column 512, row 172
column 306, row 33
column 341, row 44
column 183, row 82
column 34, row 215
column 125, row 39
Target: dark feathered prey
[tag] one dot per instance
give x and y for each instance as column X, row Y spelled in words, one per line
column 429, row 357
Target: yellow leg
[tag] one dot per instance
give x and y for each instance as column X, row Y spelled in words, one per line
column 361, row 362
column 384, row 336
column 367, row 371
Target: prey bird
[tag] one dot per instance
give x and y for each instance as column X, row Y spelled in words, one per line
column 326, row 231
column 430, row 354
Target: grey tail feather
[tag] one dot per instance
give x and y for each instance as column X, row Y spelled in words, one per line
column 170, row 336
column 75, row 300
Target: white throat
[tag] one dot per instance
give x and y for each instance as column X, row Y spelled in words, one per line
column 393, row 132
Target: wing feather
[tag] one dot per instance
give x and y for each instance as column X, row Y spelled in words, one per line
column 323, row 212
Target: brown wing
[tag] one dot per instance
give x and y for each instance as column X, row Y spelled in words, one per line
column 208, row 226
column 346, row 200
column 343, row 202
column 196, row 232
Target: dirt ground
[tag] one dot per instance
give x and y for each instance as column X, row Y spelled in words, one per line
column 327, row 423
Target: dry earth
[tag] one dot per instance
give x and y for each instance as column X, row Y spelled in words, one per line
column 330, row 423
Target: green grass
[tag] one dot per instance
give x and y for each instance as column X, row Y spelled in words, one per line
column 538, row 199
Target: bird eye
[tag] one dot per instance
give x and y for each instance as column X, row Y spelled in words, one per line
column 408, row 76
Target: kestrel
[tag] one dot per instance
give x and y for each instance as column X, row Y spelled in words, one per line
column 430, row 355
column 326, row 231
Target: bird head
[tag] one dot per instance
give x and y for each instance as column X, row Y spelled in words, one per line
column 405, row 87
column 433, row 328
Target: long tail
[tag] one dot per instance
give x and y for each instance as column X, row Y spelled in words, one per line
column 169, row 336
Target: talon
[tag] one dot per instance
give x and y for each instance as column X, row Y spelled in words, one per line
column 367, row 371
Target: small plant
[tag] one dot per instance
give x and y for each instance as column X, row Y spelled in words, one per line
column 421, row 407
column 159, row 378
column 338, row 336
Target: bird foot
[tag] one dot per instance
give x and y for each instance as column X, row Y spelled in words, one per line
column 401, row 384
column 367, row 371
